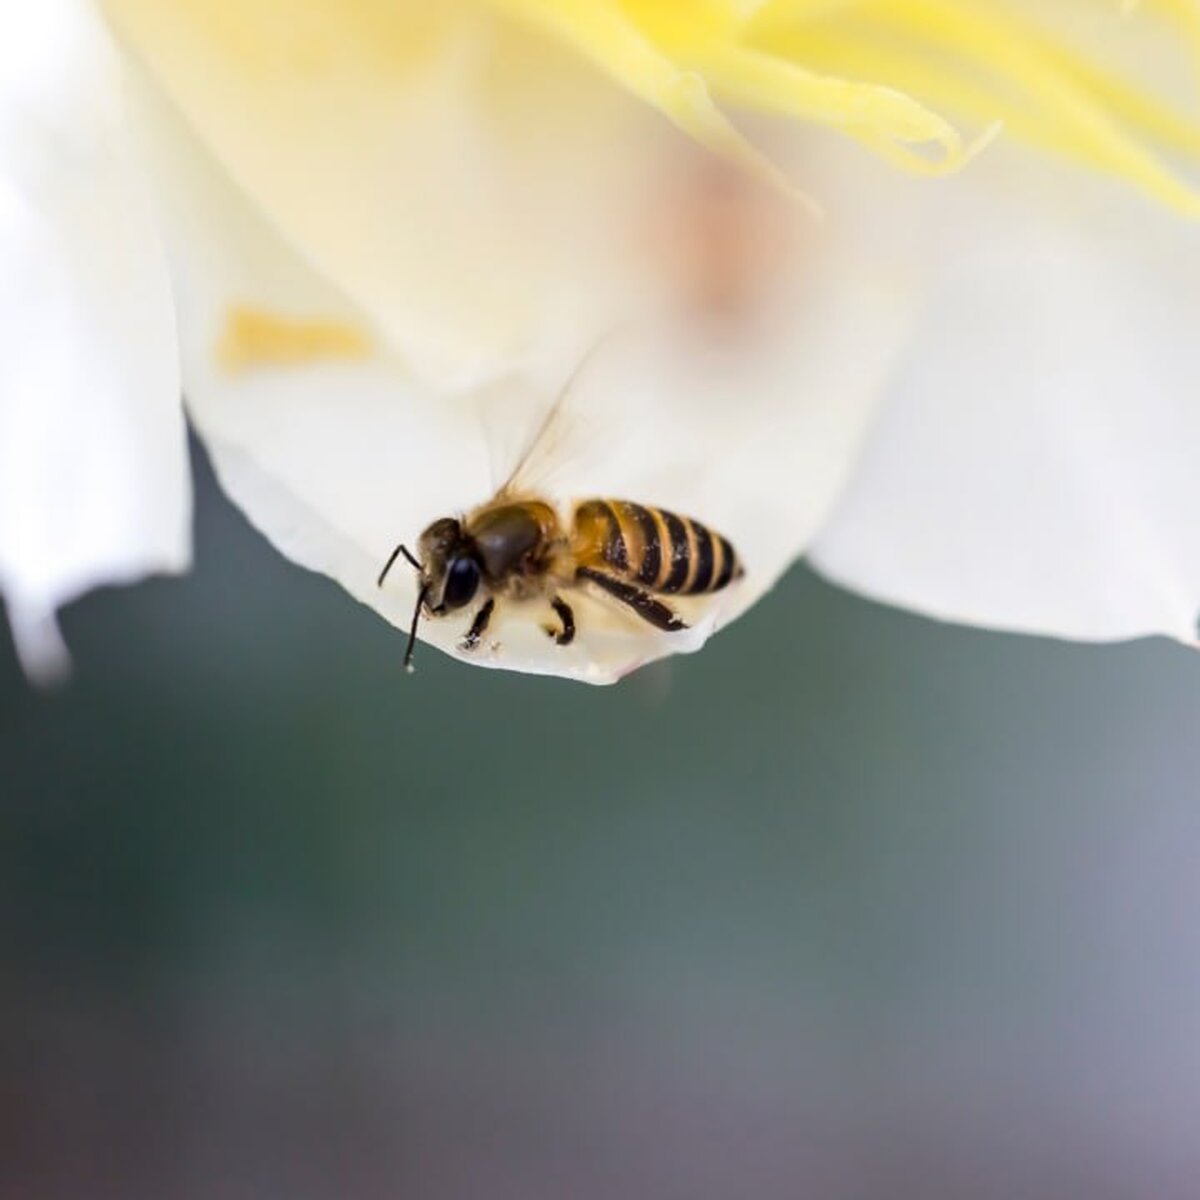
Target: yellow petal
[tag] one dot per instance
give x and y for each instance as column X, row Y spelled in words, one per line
column 677, row 56
column 898, row 74
column 253, row 337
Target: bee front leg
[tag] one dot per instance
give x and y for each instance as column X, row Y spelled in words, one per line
column 566, row 635
column 478, row 626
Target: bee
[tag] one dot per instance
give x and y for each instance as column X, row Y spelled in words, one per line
column 516, row 548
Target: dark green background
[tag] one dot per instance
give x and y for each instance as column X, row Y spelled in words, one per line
column 849, row 905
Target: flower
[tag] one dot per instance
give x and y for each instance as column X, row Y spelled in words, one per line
column 395, row 229
column 93, row 471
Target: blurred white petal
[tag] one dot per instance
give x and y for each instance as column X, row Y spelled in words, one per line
column 467, row 184
column 1035, row 466
column 93, row 470
column 338, row 460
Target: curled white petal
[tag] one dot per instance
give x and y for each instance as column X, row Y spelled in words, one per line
column 93, row 471
column 1034, row 468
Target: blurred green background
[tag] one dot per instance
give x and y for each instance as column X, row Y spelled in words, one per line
column 849, row 905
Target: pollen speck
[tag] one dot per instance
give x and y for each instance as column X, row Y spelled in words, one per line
column 254, row 338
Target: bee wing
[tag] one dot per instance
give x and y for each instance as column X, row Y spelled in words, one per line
column 567, row 433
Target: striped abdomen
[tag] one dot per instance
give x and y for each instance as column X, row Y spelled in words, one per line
column 656, row 549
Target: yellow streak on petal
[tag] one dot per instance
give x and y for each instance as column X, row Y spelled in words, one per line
column 254, row 338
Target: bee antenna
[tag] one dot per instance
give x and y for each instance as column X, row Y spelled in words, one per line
column 412, row 632
column 387, row 566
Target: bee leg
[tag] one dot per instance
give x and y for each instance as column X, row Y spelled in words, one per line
column 566, row 635
column 482, row 617
column 645, row 605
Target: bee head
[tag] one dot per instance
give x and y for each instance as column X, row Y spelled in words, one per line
column 450, row 571
column 448, row 574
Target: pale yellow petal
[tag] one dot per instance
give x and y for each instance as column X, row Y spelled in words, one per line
column 469, row 185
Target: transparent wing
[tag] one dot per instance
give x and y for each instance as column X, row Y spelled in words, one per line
column 566, row 435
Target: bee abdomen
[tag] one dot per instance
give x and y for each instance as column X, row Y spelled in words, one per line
column 659, row 550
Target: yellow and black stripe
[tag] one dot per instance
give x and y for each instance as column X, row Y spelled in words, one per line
column 658, row 550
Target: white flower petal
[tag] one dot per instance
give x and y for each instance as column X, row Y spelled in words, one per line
column 1035, row 467
column 336, row 461
column 93, row 469
column 467, row 185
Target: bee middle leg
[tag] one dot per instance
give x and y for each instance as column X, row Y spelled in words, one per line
column 566, row 635
column 642, row 602
column 479, row 625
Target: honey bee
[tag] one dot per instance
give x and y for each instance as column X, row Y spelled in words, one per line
column 517, row 549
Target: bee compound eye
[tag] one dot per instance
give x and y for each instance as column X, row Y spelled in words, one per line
column 462, row 581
